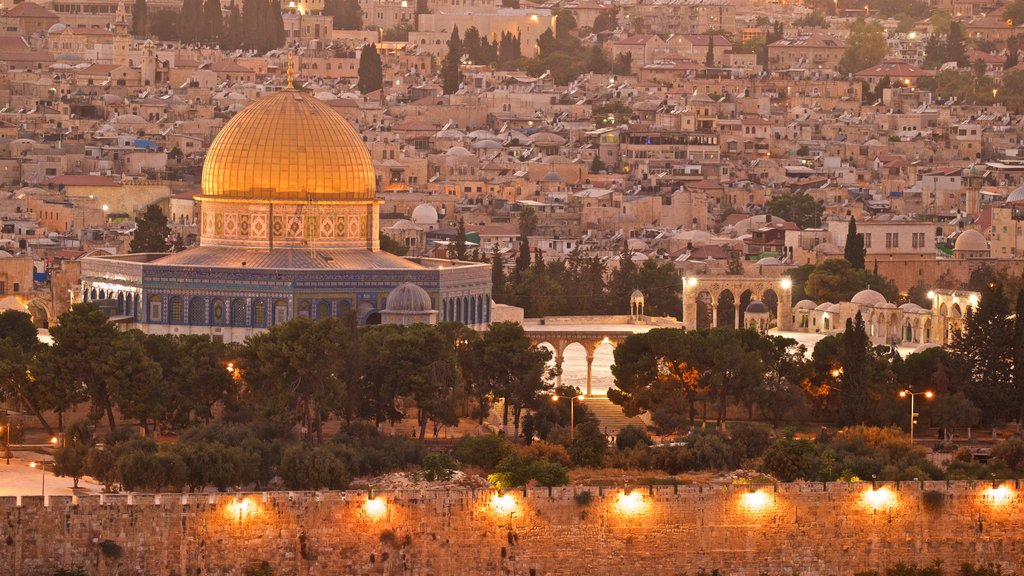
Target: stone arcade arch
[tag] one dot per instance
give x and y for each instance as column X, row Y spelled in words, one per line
column 590, row 340
column 764, row 289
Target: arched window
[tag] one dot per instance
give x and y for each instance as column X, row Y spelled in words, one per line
column 196, row 312
column 259, row 313
column 217, row 312
column 280, row 311
column 323, row 310
column 238, row 312
column 303, row 309
column 156, row 309
column 177, row 310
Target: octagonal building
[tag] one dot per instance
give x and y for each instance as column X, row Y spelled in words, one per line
column 289, row 225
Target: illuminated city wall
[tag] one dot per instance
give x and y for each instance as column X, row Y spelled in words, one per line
column 789, row 529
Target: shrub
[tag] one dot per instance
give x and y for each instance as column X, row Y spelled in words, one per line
column 485, row 451
column 110, row 549
column 366, row 451
column 552, row 452
column 437, row 466
column 515, row 470
column 749, row 440
column 790, row 459
column 303, row 468
column 980, row 570
column 709, row 450
column 583, row 498
column 589, row 444
column 933, row 501
column 1010, row 453
column 635, row 458
column 671, row 459
column 632, row 435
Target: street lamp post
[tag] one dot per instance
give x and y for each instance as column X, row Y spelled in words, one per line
column 42, row 466
column 572, row 411
column 903, row 394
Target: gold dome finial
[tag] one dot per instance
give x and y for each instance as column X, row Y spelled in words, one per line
column 290, row 71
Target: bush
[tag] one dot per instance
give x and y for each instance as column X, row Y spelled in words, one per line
column 667, row 422
column 515, row 470
column 366, row 451
column 632, row 435
column 749, row 440
column 303, row 468
column 635, row 458
column 709, row 450
column 583, row 498
column 485, row 451
column 553, row 452
column 671, row 459
column 933, row 501
column 1010, row 454
column 110, row 549
column 588, row 445
column 437, row 466
column 790, row 459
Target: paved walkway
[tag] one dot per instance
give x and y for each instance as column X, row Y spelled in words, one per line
column 20, row 479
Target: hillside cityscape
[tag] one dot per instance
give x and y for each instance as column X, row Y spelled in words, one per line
column 712, row 287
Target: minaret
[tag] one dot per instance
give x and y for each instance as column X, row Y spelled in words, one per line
column 149, row 63
column 121, row 37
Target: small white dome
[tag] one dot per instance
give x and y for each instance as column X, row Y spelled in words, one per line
column 57, row 28
column 408, row 297
column 970, row 241
column 805, row 305
column 1016, row 196
column 424, row 214
column 823, row 307
column 868, row 298
column 458, row 151
column 834, row 309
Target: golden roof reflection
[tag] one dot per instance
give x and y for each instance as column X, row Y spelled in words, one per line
column 289, row 146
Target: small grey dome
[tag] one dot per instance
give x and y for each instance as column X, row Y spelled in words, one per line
column 756, row 307
column 552, row 176
column 408, row 297
column 970, row 241
column 1016, row 196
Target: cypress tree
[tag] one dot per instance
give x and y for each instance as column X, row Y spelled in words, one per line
column 371, row 70
column 451, row 75
column 231, row 38
column 709, row 58
column 854, row 251
column 497, row 276
column 140, row 18
column 276, row 20
column 213, row 21
column 855, row 358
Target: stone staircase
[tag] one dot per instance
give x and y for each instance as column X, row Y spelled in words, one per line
column 610, row 415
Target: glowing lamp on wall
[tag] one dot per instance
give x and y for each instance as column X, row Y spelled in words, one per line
column 503, row 503
column 756, row 501
column 878, row 498
column 375, row 508
column 241, row 509
column 998, row 495
column 631, row 504
column 787, row 283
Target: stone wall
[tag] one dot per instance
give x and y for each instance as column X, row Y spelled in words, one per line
column 787, row 529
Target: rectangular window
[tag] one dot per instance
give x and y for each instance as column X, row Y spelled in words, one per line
column 17, row 287
column 156, row 310
column 918, row 240
column 867, row 240
column 892, row 240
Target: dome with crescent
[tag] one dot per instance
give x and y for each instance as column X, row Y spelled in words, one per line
column 288, row 146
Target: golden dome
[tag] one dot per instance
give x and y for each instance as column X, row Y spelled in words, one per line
column 288, row 146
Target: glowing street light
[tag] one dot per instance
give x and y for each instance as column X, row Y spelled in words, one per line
column 42, row 466
column 572, row 410
column 903, row 394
